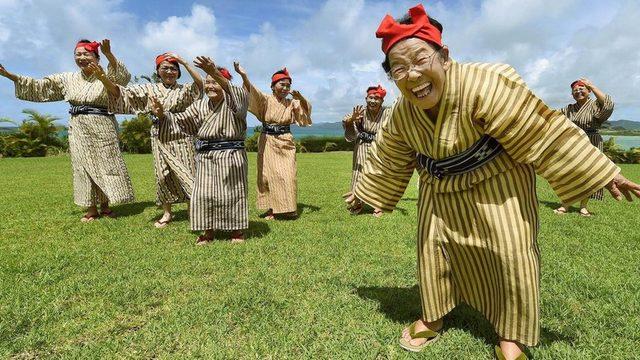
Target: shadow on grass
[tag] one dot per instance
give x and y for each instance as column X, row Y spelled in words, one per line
column 306, row 208
column 402, row 305
column 550, row 204
column 133, row 208
column 257, row 229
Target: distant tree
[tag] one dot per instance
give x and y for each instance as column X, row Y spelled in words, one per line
column 135, row 135
column 36, row 136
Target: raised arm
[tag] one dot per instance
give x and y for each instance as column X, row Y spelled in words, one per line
column 7, row 74
column 349, row 122
column 257, row 99
column 98, row 71
column 50, row 88
column 603, row 101
column 195, row 75
column 209, row 66
column 116, row 71
column 303, row 111
column 188, row 120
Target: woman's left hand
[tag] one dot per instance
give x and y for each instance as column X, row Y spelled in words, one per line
column 97, row 70
column 296, row 94
column 205, row 63
column 587, row 83
column 177, row 58
column 620, row 186
column 105, row 47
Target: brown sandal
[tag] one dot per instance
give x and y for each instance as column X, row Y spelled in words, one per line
column 109, row 213
column 237, row 238
column 89, row 218
column 378, row 213
column 203, row 240
column 162, row 223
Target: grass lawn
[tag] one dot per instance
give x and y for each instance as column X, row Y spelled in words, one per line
column 328, row 285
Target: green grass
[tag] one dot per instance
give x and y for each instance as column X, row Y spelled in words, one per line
column 328, row 285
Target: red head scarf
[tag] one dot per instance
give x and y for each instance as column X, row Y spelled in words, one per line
column 165, row 57
column 225, row 73
column 377, row 90
column 391, row 32
column 89, row 46
column 577, row 83
column 280, row 75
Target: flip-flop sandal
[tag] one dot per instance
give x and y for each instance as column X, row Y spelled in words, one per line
column 161, row 223
column 378, row 213
column 559, row 212
column 203, row 240
column 109, row 214
column 585, row 213
column 238, row 239
column 89, row 218
column 430, row 335
column 356, row 210
column 500, row 355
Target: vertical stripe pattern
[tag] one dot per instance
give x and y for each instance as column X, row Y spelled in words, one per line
column 477, row 231
column 173, row 150
column 99, row 172
column 219, row 198
column 360, row 148
column 277, row 184
column 589, row 118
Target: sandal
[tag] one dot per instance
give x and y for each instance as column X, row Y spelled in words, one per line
column 108, row 213
column 203, row 240
column 585, row 212
column 501, row 356
column 89, row 218
column 162, row 223
column 560, row 211
column 428, row 334
column 237, row 238
column 356, row 209
column 378, row 213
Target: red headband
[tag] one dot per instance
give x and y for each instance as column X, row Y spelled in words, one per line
column 225, row 73
column 90, row 46
column 379, row 90
column 391, row 32
column 165, row 57
column 280, row 75
column 577, row 83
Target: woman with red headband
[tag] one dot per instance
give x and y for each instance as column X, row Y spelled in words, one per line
column 588, row 114
column 277, row 187
column 360, row 127
column 99, row 172
column 219, row 122
column 477, row 136
column 173, row 151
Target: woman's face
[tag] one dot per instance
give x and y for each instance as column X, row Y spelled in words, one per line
column 419, row 71
column 374, row 102
column 213, row 89
column 84, row 57
column 580, row 93
column 168, row 72
column 282, row 88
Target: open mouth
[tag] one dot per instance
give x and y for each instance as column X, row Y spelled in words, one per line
column 422, row 91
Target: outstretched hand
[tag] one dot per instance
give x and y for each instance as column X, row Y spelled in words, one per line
column 357, row 114
column 156, row 107
column 3, row 71
column 205, row 63
column 239, row 69
column 97, row 70
column 620, row 186
column 105, row 47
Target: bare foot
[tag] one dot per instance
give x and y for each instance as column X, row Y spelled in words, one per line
column 163, row 222
column 204, row 240
column 511, row 350
column 237, row 237
column 377, row 213
column 421, row 326
column 89, row 217
column 560, row 211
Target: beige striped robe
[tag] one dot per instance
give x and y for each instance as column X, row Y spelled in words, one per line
column 173, row 150
column 360, row 148
column 589, row 117
column 277, row 185
column 219, row 199
column 99, row 172
column 477, row 231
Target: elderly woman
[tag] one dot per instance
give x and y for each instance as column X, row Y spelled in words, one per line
column 588, row 114
column 99, row 172
column 277, row 186
column 173, row 150
column 219, row 122
column 478, row 136
column 360, row 127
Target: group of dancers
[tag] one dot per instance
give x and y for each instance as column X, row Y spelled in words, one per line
column 475, row 133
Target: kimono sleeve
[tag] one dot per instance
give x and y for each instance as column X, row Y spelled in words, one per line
column 189, row 120
column 239, row 98
column 133, row 99
column 388, row 169
column 47, row 89
column 257, row 103
column 350, row 132
column 532, row 133
column 118, row 73
column 604, row 109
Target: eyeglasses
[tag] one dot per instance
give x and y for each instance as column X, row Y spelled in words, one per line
column 168, row 69
column 423, row 63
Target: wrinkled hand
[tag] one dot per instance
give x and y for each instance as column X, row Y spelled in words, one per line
column 239, row 69
column 205, row 63
column 175, row 56
column 357, row 114
column 105, row 47
column 97, row 70
column 587, row 83
column 620, row 186
column 296, row 94
column 156, row 107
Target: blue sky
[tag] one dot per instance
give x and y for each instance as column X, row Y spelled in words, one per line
column 329, row 46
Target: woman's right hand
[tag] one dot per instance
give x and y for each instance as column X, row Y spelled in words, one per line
column 5, row 73
column 239, row 69
column 156, row 107
column 97, row 70
column 358, row 113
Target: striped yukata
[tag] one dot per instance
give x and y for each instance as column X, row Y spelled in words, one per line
column 477, row 231
column 277, row 184
column 219, row 199
column 360, row 148
column 589, row 117
column 173, row 150
column 99, row 172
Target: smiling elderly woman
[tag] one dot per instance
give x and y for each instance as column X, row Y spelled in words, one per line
column 99, row 172
column 173, row 150
column 478, row 136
